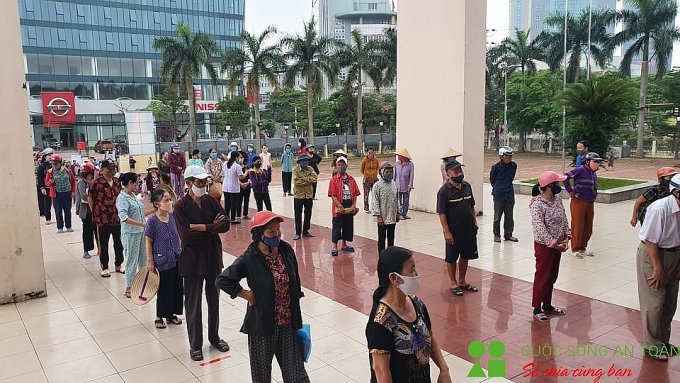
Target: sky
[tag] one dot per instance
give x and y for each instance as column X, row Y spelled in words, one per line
column 288, row 16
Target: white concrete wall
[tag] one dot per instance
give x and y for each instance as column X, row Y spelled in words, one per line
column 22, row 272
column 441, row 59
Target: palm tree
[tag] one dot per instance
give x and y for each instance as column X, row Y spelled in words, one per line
column 520, row 53
column 649, row 25
column 256, row 60
column 308, row 55
column 387, row 58
column 183, row 58
column 577, row 41
column 358, row 58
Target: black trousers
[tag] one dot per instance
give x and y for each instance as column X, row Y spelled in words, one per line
column 105, row 232
column 170, row 297
column 285, row 345
column 89, row 233
column 192, row 309
column 343, row 228
column 385, row 232
column 231, row 205
column 298, row 205
column 245, row 197
column 501, row 208
column 286, row 179
column 41, row 208
column 314, row 190
column 47, row 206
column 263, row 198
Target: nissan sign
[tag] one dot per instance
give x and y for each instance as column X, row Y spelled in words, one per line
column 59, row 108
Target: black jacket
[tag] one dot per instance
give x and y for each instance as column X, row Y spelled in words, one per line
column 314, row 161
column 252, row 265
column 42, row 172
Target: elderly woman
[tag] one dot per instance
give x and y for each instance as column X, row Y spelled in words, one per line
column 152, row 179
column 62, row 189
column 399, row 330
column 273, row 314
column 213, row 165
column 131, row 214
column 551, row 239
column 83, row 209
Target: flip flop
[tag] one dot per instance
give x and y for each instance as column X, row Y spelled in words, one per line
column 175, row 320
column 541, row 317
column 159, row 323
column 349, row 248
column 334, row 253
column 221, row 346
column 469, row 287
column 554, row 310
column 658, row 356
column 120, row 271
column 457, row 291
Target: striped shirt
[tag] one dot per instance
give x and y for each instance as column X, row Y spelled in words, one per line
column 585, row 183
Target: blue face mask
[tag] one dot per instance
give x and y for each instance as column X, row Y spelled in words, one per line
column 271, row 242
column 250, row 150
column 233, row 149
column 556, row 189
column 304, row 164
column 213, row 155
column 288, row 150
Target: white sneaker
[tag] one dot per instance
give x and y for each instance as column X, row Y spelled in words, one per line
column 577, row 254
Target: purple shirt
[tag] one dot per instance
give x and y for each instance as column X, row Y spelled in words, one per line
column 166, row 244
column 585, row 183
column 403, row 176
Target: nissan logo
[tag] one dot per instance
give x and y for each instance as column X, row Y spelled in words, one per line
column 59, row 107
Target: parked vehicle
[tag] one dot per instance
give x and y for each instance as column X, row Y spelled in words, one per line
column 53, row 143
column 103, row 145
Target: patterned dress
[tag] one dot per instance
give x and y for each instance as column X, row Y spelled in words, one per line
column 132, row 236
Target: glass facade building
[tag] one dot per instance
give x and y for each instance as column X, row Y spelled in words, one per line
column 102, row 50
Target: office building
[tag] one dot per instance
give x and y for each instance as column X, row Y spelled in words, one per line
column 100, row 52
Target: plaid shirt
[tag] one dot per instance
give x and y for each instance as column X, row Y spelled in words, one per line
column 652, row 194
column 104, row 196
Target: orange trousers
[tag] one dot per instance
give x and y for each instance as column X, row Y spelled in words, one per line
column 582, row 214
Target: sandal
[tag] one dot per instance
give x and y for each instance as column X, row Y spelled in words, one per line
column 159, row 323
column 672, row 350
column 469, row 287
column 196, row 355
column 175, row 320
column 120, row 270
column 221, row 346
column 457, row 291
column 659, row 356
column 541, row 317
column 127, row 294
column 554, row 310
column 334, row 253
column 105, row 273
column 349, row 248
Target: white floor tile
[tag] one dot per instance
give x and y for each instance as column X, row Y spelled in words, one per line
column 15, row 345
column 12, row 329
column 19, row 364
column 138, row 355
column 67, row 352
column 166, row 371
column 82, row 370
column 63, row 334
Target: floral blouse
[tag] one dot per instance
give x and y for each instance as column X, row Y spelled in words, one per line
column 549, row 221
column 214, row 168
column 281, row 291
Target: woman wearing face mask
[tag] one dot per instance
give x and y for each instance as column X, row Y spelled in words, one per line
column 83, row 209
column 302, row 146
column 232, row 186
column 131, row 214
column 399, row 330
column 273, row 313
column 152, row 180
column 551, row 239
column 260, row 179
column 404, row 172
column 162, row 252
column 62, row 189
column 582, row 206
column 246, row 187
column 385, row 205
column 287, row 159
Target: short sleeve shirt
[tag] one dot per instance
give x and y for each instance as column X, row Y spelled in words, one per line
column 104, row 197
column 232, row 184
column 166, row 244
column 408, row 343
column 651, row 195
column 457, row 205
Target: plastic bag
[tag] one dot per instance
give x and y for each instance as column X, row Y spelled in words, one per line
column 305, row 338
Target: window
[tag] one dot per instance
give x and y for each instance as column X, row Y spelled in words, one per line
column 46, row 64
column 133, row 16
column 107, row 13
column 372, row 6
column 173, row 20
column 75, row 65
column 60, row 65
column 538, row 7
column 59, row 8
column 32, row 63
column 537, row 18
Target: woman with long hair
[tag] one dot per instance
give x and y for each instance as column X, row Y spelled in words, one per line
column 232, row 186
column 399, row 330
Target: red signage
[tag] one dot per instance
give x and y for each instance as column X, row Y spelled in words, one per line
column 206, row 106
column 59, row 108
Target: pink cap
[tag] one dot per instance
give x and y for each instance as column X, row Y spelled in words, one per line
column 549, row 177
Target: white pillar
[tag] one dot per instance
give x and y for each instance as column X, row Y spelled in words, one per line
column 654, row 148
column 22, row 272
column 445, row 109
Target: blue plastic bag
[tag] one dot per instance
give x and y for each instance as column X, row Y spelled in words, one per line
column 305, row 338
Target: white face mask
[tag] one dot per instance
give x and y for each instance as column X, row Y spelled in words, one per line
column 198, row 192
column 410, row 286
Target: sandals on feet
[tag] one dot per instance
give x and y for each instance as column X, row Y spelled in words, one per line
column 105, row 273
column 127, row 294
column 554, row 310
column 541, row 317
column 159, row 323
column 334, row 253
column 120, row 270
column 221, row 346
column 659, row 356
column 469, row 287
column 457, row 291
column 175, row 320
column 196, row 355
column 348, row 248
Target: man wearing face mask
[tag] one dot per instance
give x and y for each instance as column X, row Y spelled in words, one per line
column 652, row 194
column 303, row 178
column 501, row 177
column 250, row 153
column 582, row 206
column 658, row 272
column 177, row 164
column 456, row 209
column 314, row 161
column 582, row 148
column 287, row 169
column 385, row 205
column 344, row 191
column 200, row 219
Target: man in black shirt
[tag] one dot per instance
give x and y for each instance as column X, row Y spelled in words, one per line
column 456, row 209
column 314, row 160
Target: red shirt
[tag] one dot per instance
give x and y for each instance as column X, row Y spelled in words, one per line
column 104, row 196
column 337, row 188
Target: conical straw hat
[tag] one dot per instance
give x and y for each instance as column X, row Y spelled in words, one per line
column 451, row 153
column 340, row 151
column 404, row 153
column 144, row 286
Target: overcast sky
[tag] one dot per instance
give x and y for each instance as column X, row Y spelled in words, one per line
column 289, row 15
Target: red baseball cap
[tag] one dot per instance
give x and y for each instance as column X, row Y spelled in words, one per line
column 262, row 218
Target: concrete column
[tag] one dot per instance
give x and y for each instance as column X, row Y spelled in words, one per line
column 654, row 148
column 442, row 108
column 22, row 272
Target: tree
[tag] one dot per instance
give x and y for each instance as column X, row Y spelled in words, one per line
column 577, row 41
column 387, row 58
column 269, row 128
column 308, row 56
column 170, row 106
column 649, row 25
column 597, row 107
column 282, row 107
column 184, row 56
column 234, row 113
column 520, row 53
column 358, row 58
column 256, row 60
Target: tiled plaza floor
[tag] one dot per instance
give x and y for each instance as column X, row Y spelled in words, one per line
column 85, row 330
